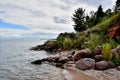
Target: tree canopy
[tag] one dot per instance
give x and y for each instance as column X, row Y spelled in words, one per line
column 117, row 5
column 78, row 19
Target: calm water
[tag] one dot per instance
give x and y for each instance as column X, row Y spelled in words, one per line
column 15, row 58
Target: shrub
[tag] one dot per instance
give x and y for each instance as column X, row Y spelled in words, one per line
column 94, row 40
column 67, row 44
column 106, row 52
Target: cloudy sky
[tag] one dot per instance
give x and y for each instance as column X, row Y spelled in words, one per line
column 42, row 18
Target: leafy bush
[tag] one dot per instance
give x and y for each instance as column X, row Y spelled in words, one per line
column 67, row 44
column 106, row 52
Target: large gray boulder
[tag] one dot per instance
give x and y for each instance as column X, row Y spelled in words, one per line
column 97, row 50
column 85, row 53
column 85, row 64
column 104, row 65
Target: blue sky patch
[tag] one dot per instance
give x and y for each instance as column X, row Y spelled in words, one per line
column 12, row 26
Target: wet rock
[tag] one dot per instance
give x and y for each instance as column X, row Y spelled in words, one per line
column 98, row 58
column 118, row 68
column 103, row 65
column 51, row 59
column 37, row 62
column 97, row 50
column 49, row 46
column 59, row 65
column 72, row 52
column 115, row 53
column 85, row 53
column 70, row 57
column 37, row 48
column 85, row 64
column 63, row 59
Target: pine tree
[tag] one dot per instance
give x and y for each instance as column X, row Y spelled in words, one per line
column 78, row 19
column 99, row 14
column 117, row 5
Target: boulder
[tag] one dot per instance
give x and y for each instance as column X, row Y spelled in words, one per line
column 85, row 53
column 38, row 47
column 115, row 53
column 49, row 46
column 59, row 65
column 118, row 68
column 104, row 65
column 36, row 62
column 49, row 59
column 85, row 64
column 97, row 50
column 98, row 58
column 63, row 59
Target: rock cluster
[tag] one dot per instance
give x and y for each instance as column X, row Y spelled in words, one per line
column 83, row 59
column 49, row 46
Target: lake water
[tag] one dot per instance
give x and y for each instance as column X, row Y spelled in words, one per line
column 15, row 58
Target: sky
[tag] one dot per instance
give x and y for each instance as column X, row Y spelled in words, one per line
column 42, row 18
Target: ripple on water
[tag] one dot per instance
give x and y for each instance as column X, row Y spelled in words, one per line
column 15, row 59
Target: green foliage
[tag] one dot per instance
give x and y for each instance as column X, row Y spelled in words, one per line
column 78, row 43
column 100, row 12
column 117, row 5
column 59, row 44
column 62, row 36
column 106, row 52
column 105, row 24
column 99, row 15
column 78, row 19
column 94, row 40
column 67, row 44
column 116, row 61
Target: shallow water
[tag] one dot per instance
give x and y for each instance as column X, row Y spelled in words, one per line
column 15, row 58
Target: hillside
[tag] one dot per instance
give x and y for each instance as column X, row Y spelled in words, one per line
column 92, row 37
column 105, row 34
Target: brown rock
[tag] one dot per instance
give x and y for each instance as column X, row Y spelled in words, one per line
column 102, row 65
column 58, row 64
column 85, row 53
column 85, row 64
column 63, row 59
column 98, row 58
column 115, row 53
column 98, row 50
column 49, row 46
column 36, row 62
column 118, row 68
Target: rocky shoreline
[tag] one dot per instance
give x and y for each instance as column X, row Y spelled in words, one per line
column 92, row 64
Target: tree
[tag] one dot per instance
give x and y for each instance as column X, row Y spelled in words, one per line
column 78, row 19
column 99, row 14
column 108, row 11
column 117, row 5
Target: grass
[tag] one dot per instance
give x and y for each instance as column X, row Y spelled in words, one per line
column 106, row 52
column 97, row 36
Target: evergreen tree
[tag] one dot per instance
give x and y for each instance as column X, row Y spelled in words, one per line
column 79, row 20
column 99, row 14
column 117, row 5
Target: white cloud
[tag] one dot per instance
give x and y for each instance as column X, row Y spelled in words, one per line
column 44, row 16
